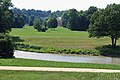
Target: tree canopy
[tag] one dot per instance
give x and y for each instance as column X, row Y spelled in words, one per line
column 106, row 22
column 5, row 16
column 52, row 23
column 73, row 21
column 76, row 20
column 6, row 44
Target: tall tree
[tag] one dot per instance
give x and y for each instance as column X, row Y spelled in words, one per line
column 73, row 21
column 106, row 22
column 5, row 16
column 65, row 19
column 90, row 11
column 18, row 21
column 45, row 24
column 52, row 23
column 6, row 45
column 31, row 22
column 37, row 24
column 84, row 22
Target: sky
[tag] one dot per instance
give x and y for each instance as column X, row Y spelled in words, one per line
column 55, row 5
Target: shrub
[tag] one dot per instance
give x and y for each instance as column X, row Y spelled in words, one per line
column 32, row 48
column 6, row 46
column 109, row 50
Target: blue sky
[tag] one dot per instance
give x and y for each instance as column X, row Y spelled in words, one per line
column 54, row 5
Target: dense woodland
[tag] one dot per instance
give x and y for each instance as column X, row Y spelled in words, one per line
column 72, row 19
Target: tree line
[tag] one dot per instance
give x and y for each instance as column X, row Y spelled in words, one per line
column 23, row 17
column 78, row 21
column 71, row 18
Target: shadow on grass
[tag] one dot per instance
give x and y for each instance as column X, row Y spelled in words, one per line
column 7, row 57
column 16, row 39
column 108, row 50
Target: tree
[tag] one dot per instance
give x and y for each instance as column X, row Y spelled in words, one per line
column 73, row 21
column 65, row 19
column 38, row 25
column 45, row 24
column 106, row 22
column 5, row 16
column 18, row 21
column 52, row 23
column 53, row 15
column 90, row 11
column 6, row 45
column 84, row 21
column 32, row 18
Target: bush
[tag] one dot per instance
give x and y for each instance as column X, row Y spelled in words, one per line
column 6, row 46
column 32, row 48
column 109, row 50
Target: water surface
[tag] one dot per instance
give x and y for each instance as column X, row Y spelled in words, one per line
column 67, row 58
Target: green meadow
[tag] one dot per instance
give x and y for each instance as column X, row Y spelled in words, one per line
column 60, row 38
column 40, row 63
column 26, row 75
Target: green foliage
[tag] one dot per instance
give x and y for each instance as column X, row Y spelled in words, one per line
column 84, row 21
column 31, row 15
column 52, row 23
column 39, row 26
column 90, row 12
column 6, row 46
column 18, row 21
column 31, row 20
column 45, row 24
column 65, row 19
column 105, row 22
column 5, row 16
column 78, row 21
column 73, row 21
column 53, row 15
column 108, row 50
column 26, row 47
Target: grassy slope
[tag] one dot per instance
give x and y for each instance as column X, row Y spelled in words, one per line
column 39, row 63
column 61, row 37
column 24, row 75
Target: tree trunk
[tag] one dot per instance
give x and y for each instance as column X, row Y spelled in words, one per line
column 114, row 40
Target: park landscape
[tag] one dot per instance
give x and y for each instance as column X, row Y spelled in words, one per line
column 94, row 32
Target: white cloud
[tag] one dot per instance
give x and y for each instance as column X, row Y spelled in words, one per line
column 61, row 4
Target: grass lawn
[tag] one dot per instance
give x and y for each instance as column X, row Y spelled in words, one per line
column 61, row 38
column 40, row 63
column 25, row 75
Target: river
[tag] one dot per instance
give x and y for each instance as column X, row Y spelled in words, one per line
column 67, row 58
